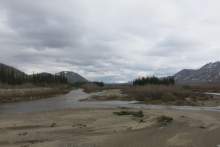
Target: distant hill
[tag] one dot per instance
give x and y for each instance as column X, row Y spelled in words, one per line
column 44, row 73
column 130, row 82
column 10, row 68
column 72, row 77
column 112, row 83
column 115, row 83
column 210, row 72
column 11, row 76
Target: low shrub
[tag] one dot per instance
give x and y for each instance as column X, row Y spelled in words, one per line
column 137, row 114
column 168, row 96
column 13, row 95
column 157, row 92
column 90, row 87
column 164, row 119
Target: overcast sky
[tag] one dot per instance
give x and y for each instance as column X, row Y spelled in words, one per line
column 109, row 40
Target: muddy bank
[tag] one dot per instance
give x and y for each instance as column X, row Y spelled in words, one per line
column 26, row 94
column 98, row 127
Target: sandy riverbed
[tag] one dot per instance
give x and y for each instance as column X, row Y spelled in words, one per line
column 99, row 127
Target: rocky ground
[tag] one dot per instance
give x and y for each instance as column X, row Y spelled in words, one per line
column 99, row 127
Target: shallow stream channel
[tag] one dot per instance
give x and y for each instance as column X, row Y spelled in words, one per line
column 72, row 100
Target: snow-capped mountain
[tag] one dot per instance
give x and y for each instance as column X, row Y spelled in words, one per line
column 72, row 77
column 207, row 73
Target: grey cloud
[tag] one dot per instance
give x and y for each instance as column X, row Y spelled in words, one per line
column 108, row 40
column 46, row 29
column 175, row 45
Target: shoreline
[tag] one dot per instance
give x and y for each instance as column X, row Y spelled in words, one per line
column 27, row 94
column 118, row 95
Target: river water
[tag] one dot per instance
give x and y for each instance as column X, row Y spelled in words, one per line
column 71, row 100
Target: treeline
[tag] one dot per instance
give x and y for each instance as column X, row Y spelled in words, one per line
column 154, row 80
column 100, row 84
column 42, row 80
column 11, row 76
column 79, row 84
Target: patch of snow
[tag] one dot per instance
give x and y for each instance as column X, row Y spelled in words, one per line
column 178, row 76
column 208, row 76
column 208, row 65
column 195, row 79
column 188, row 77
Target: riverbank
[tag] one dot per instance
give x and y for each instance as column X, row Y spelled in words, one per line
column 98, row 127
column 26, row 94
column 119, row 95
column 109, row 95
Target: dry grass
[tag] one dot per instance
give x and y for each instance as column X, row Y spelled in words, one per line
column 90, row 87
column 157, row 92
column 137, row 114
column 162, row 94
column 203, row 87
column 163, row 120
column 27, row 85
column 24, row 94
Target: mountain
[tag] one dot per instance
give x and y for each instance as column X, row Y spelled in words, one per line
column 72, row 77
column 115, row 83
column 112, row 83
column 44, row 74
column 130, row 82
column 10, row 68
column 11, row 76
column 208, row 73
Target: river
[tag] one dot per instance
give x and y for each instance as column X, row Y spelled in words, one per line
column 71, row 100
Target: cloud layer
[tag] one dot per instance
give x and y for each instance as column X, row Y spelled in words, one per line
column 109, row 40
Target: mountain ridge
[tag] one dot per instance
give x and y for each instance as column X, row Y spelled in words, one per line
column 10, row 68
column 209, row 72
column 72, row 77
